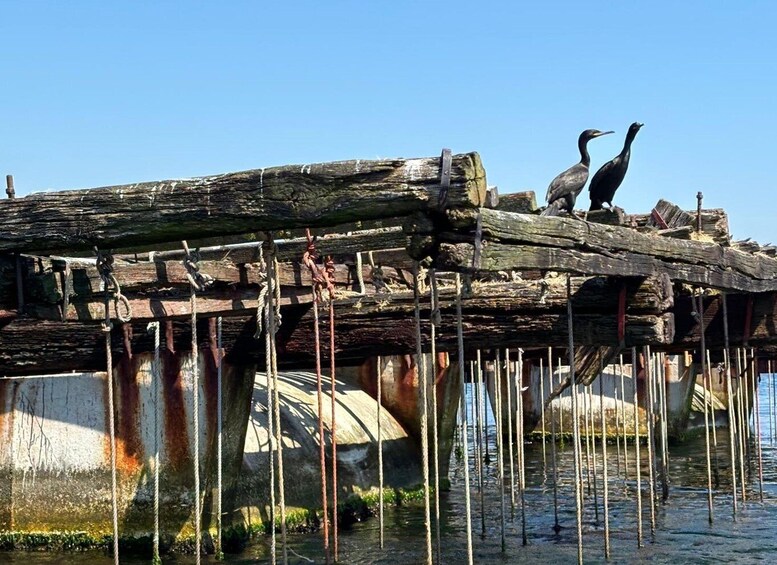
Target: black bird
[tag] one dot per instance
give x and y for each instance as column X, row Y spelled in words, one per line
column 563, row 189
column 607, row 179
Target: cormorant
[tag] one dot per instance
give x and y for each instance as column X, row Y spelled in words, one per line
column 607, row 179
column 563, row 189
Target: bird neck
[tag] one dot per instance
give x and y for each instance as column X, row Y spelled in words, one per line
column 585, row 158
column 627, row 144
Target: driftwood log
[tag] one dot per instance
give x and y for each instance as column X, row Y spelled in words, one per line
column 276, row 198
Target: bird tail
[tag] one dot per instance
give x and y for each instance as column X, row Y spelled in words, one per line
column 553, row 209
column 595, row 205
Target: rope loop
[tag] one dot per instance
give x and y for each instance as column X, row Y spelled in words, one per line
column 261, row 300
column 198, row 281
column 105, row 267
column 377, row 276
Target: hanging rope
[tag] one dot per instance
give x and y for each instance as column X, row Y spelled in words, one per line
column 435, row 320
column 460, row 339
column 499, row 446
column 359, row 274
column 220, row 433
column 638, row 463
column 556, row 525
column 729, row 394
column 510, row 385
column 575, row 424
column 480, row 417
column 757, row 416
column 605, row 487
column 156, row 375
column 273, row 322
column 309, row 260
column 740, row 426
column 542, row 415
column 623, row 421
column 379, row 399
column 521, row 447
column 197, row 281
column 261, row 299
column 589, row 391
column 423, row 385
column 699, row 312
column 650, row 445
column 329, row 272
column 105, row 268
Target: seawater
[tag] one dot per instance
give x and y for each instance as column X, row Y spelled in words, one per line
column 682, row 534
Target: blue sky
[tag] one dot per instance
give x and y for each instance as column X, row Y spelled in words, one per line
column 99, row 93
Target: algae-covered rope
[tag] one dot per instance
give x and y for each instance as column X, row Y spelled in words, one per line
column 104, row 266
column 423, row 385
column 460, row 340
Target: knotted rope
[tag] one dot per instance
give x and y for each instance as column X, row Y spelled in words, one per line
column 105, row 268
column 436, row 320
column 219, row 440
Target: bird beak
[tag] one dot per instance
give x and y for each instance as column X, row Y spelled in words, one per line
column 604, row 133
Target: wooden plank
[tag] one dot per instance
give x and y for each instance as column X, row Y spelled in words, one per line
column 275, row 198
column 522, row 202
column 521, row 241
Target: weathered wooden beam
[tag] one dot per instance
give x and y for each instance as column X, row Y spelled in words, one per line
column 523, row 202
column 31, row 346
column 259, row 200
column 366, row 326
column 522, row 241
column 714, row 221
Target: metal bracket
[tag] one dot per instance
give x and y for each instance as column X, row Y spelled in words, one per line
column 446, row 160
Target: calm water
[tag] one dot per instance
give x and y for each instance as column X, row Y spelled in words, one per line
column 683, row 534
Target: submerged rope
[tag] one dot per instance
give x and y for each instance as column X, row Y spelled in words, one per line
column 556, row 525
column 707, row 390
column 220, row 433
column 156, row 374
column 308, row 259
column 729, row 394
column 112, row 431
column 638, row 463
column 273, row 321
column 651, row 437
column 521, row 447
column 421, row 366
column 192, row 271
column 605, row 487
column 510, row 386
column 575, row 425
column 460, row 339
column 435, row 320
column 499, row 447
column 379, row 398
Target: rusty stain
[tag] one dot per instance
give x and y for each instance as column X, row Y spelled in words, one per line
column 210, row 379
column 129, row 450
column 176, row 424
